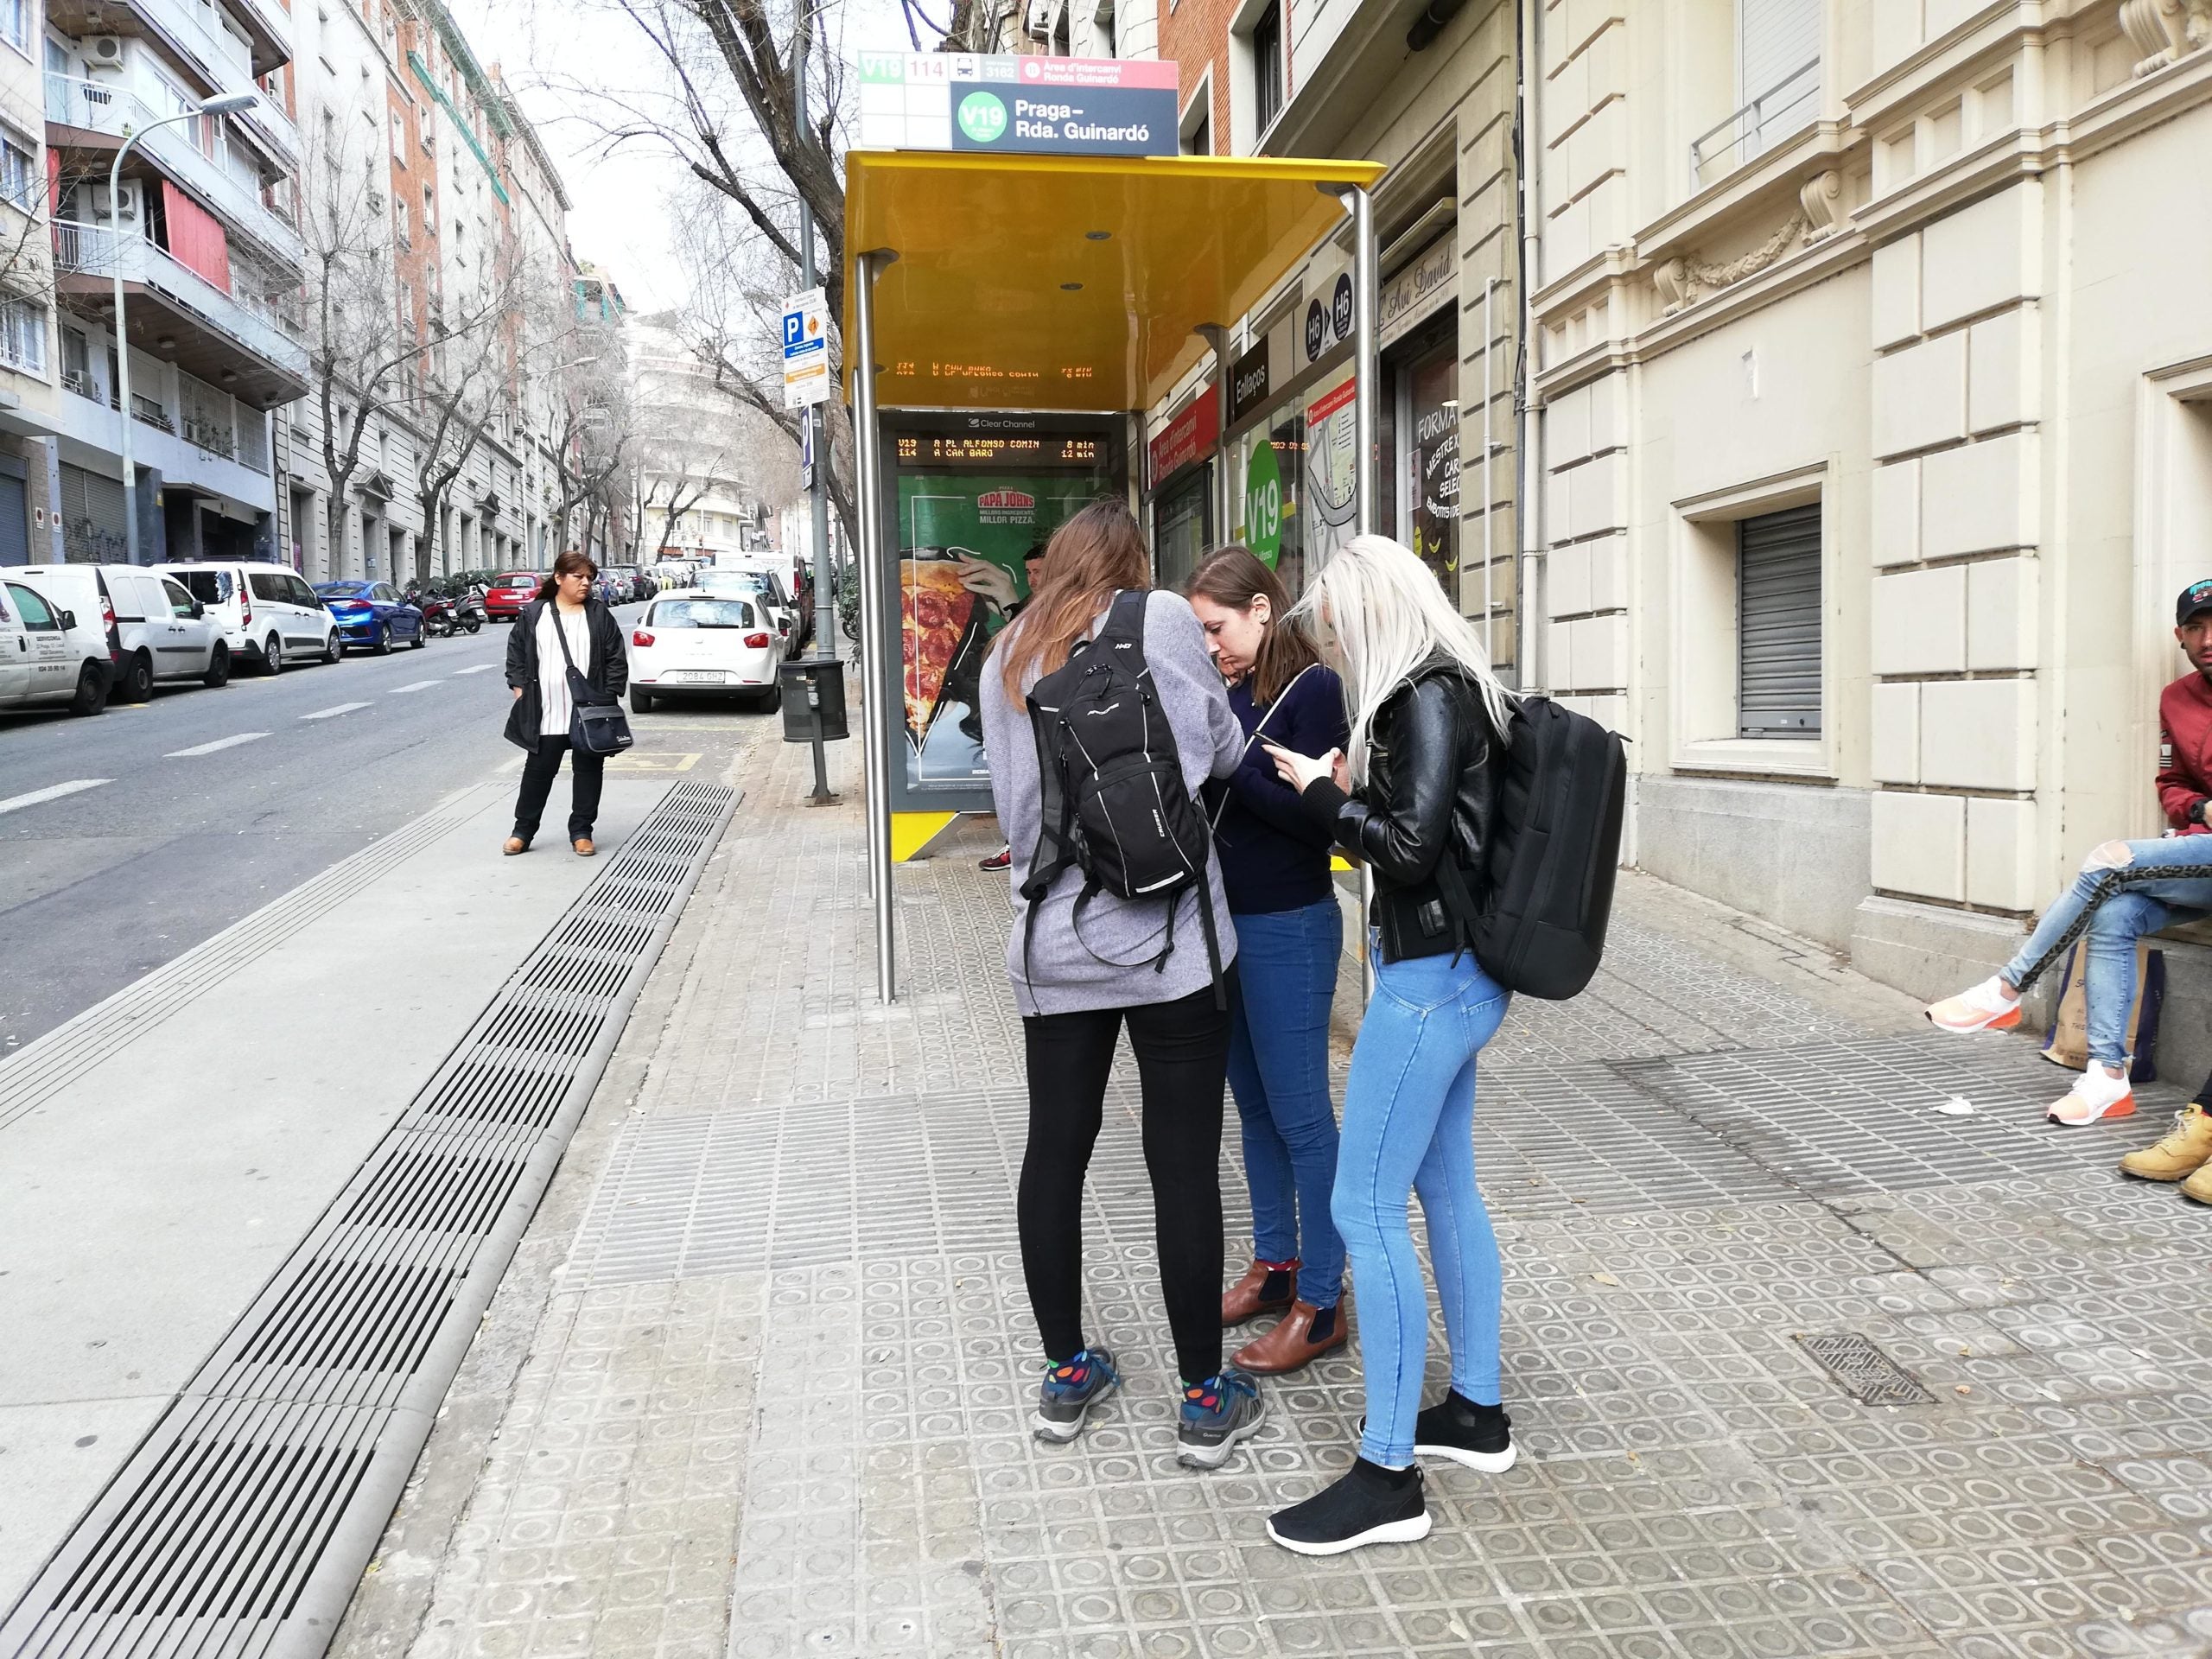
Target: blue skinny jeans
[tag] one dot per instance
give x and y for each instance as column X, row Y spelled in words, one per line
column 1409, row 1127
column 1286, row 980
column 2165, row 881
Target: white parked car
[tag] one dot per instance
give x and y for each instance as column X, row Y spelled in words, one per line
column 704, row 644
column 268, row 613
column 758, row 586
column 49, row 654
column 155, row 630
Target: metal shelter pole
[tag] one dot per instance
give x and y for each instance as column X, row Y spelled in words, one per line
column 875, row 672
column 1217, row 338
column 1366, row 413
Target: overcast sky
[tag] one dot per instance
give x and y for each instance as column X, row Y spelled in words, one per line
column 620, row 214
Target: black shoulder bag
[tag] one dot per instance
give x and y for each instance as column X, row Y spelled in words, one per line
column 596, row 722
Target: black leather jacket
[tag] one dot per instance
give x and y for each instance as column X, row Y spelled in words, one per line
column 1431, row 793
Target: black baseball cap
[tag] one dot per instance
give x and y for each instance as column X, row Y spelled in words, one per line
column 2195, row 599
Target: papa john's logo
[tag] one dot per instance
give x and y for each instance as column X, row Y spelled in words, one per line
column 1007, row 508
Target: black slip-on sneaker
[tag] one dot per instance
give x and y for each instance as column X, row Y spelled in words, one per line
column 1480, row 1437
column 1370, row 1505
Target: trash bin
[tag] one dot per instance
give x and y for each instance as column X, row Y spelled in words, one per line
column 814, row 688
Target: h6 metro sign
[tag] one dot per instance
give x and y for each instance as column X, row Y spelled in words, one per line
column 807, row 350
column 1035, row 104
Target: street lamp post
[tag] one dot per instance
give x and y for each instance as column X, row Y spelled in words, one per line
column 228, row 103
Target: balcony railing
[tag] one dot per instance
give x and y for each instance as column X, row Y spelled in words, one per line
column 105, row 107
column 1786, row 106
column 96, row 250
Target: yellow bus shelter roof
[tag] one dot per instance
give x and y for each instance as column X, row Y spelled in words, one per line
column 1068, row 282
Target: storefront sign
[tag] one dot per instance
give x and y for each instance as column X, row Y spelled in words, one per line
column 1033, row 104
column 1263, row 503
column 1417, row 289
column 1248, row 382
column 1330, row 324
column 1331, row 477
column 1190, row 436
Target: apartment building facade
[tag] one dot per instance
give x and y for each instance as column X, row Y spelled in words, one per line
column 456, row 469
column 1876, row 441
column 197, row 235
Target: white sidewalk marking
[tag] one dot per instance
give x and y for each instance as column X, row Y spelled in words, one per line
column 210, row 748
column 419, row 685
column 342, row 708
column 52, row 793
column 479, row 668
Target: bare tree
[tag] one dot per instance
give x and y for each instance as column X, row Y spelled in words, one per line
column 371, row 355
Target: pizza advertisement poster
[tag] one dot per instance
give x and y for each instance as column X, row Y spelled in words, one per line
column 962, row 542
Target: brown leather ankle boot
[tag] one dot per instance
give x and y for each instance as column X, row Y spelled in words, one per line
column 1290, row 1344
column 1247, row 1299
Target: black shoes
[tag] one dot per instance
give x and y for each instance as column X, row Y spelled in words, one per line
column 1370, row 1505
column 1480, row 1437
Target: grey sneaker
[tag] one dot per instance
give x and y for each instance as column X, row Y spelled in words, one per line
column 1068, row 1392
column 1217, row 1413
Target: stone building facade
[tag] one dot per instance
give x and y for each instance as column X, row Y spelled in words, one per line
column 1872, row 389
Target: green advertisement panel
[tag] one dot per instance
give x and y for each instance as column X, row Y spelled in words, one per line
column 973, row 508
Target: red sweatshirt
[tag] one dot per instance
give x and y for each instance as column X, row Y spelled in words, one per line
column 2185, row 749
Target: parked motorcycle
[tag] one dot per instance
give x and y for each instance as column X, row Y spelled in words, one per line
column 469, row 614
column 439, row 618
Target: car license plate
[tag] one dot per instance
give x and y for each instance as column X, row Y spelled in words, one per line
column 696, row 676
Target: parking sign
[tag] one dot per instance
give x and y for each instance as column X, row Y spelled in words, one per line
column 807, row 350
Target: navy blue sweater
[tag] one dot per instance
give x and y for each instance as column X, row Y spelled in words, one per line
column 1272, row 857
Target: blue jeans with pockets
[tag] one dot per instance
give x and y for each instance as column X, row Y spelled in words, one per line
column 1278, row 1071
column 1409, row 1124
column 2165, row 881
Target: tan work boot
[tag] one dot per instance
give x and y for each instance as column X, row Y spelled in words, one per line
column 2181, row 1154
column 2199, row 1185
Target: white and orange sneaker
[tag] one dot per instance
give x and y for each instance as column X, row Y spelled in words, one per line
column 2096, row 1094
column 1979, row 1008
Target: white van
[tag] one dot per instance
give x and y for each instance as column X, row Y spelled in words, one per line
column 50, row 654
column 268, row 613
column 155, row 631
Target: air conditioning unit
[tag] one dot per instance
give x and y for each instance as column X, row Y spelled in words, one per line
column 1039, row 22
column 100, row 211
column 104, row 51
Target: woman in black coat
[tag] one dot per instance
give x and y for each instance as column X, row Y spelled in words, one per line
column 538, row 672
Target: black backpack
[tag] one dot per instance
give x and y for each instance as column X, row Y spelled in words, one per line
column 1554, row 849
column 1115, row 805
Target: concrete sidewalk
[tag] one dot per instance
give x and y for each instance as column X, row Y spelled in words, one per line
column 164, row 1152
column 758, row 1382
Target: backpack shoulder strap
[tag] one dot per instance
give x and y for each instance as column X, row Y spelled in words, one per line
column 1125, row 619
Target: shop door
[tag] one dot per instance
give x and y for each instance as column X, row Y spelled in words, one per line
column 15, row 517
column 1182, row 528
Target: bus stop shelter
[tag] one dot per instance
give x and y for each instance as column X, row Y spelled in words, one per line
column 982, row 282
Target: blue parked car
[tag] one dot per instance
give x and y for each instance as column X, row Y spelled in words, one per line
column 371, row 615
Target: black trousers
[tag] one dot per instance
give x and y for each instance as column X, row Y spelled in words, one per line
column 589, row 772
column 1182, row 1050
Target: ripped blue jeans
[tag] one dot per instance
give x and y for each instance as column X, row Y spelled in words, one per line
column 2165, row 881
column 1409, row 1127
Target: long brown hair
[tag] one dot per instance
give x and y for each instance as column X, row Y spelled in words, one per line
column 1232, row 577
column 569, row 562
column 1089, row 558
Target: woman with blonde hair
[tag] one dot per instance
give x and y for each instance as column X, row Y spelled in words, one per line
column 1086, row 963
column 1416, row 786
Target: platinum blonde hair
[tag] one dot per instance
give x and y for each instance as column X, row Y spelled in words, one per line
column 1385, row 615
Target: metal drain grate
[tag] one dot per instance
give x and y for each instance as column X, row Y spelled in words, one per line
column 239, row 1528
column 1867, row 1374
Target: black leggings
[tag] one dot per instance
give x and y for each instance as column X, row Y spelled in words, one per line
column 1182, row 1050
column 537, row 774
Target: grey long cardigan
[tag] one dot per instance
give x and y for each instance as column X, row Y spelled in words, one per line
column 1064, row 975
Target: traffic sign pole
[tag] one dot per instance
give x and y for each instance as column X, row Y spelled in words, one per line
column 814, row 452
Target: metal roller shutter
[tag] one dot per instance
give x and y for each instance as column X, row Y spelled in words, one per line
column 93, row 527
column 1778, row 624
column 1775, row 40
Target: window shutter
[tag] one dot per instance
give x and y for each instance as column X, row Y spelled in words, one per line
column 1778, row 624
column 1775, row 40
